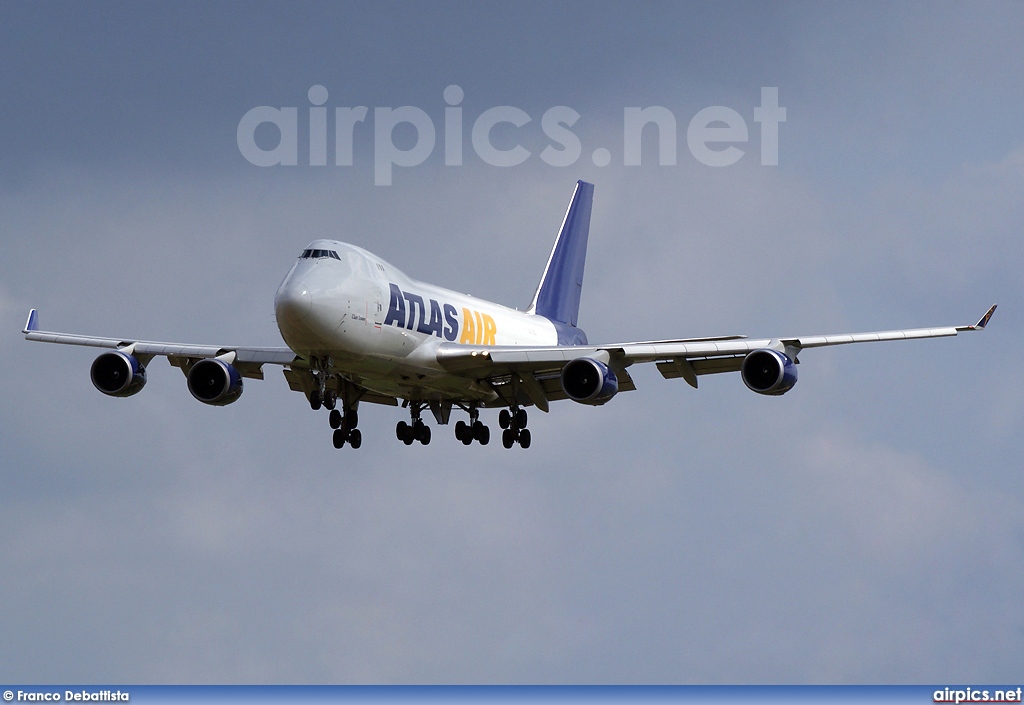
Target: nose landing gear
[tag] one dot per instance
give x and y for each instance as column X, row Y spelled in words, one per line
column 345, row 419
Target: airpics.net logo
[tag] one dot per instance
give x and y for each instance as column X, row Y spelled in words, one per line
column 715, row 136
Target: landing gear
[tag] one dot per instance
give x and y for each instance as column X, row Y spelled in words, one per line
column 408, row 433
column 350, row 420
column 343, row 420
column 344, row 425
column 475, row 430
column 514, row 422
column 330, row 399
column 354, row 438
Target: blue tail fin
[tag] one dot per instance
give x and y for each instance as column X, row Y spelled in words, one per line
column 558, row 294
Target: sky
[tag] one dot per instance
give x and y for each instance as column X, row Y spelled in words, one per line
column 864, row 528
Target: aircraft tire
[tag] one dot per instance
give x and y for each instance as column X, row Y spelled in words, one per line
column 402, row 430
column 335, row 419
column 330, row 400
column 521, row 418
column 424, row 435
column 524, row 438
column 504, row 418
column 314, row 401
column 461, row 431
column 355, row 438
column 507, row 438
column 485, row 436
column 339, row 439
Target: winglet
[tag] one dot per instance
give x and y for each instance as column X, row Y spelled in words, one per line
column 32, row 324
column 980, row 325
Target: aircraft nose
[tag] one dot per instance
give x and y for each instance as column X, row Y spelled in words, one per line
column 293, row 302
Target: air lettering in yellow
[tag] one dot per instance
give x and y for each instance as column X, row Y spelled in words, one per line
column 468, row 336
column 477, row 328
column 489, row 330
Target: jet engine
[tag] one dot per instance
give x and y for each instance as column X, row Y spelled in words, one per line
column 214, row 382
column 589, row 381
column 117, row 374
column 767, row 371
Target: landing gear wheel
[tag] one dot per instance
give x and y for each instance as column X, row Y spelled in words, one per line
column 403, row 431
column 507, row 438
column 461, row 431
column 314, row 401
column 355, row 438
column 339, row 439
column 485, row 436
column 521, row 418
column 335, row 419
column 330, row 399
column 423, row 433
column 352, row 417
column 524, row 438
column 504, row 418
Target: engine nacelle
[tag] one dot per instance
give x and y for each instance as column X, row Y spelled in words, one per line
column 767, row 371
column 214, row 382
column 117, row 374
column 589, row 381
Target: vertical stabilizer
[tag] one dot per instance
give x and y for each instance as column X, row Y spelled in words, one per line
column 558, row 295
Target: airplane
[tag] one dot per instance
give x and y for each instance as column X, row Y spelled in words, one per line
column 358, row 330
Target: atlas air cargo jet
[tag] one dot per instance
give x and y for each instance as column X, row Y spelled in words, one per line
column 358, row 331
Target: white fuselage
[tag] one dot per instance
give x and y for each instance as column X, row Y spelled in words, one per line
column 383, row 327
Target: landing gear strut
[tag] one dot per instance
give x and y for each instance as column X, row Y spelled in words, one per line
column 513, row 420
column 475, row 430
column 407, row 433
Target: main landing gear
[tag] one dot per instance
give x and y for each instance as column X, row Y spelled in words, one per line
column 475, row 430
column 344, row 425
column 514, row 422
column 407, row 433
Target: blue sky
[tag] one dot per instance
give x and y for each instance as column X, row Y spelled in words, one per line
column 866, row 527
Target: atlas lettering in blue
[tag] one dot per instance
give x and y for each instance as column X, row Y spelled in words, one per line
column 410, row 311
column 413, row 312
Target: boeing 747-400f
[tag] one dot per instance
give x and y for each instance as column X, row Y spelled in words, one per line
column 359, row 330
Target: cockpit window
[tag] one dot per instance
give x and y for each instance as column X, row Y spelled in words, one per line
column 317, row 254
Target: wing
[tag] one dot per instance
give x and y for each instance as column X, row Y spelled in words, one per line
column 248, row 360
column 535, row 372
